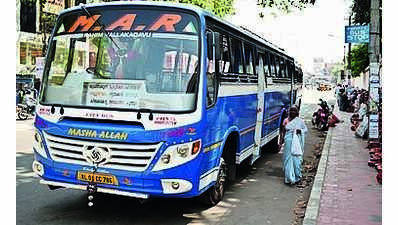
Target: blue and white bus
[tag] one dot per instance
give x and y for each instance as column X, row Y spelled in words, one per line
column 148, row 99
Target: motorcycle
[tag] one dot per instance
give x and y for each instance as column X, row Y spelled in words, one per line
column 24, row 111
column 321, row 116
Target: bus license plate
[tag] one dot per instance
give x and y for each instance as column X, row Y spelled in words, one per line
column 97, row 178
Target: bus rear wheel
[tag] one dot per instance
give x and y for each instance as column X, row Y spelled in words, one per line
column 215, row 193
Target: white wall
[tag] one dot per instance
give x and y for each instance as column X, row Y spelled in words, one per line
column 362, row 81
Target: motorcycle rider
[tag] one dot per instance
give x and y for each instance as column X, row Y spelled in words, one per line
column 320, row 117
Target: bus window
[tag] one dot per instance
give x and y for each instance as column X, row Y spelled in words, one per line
column 272, row 65
column 300, row 76
column 225, row 62
column 258, row 61
column 211, row 89
column 277, row 67
column 249, row 59
column 210, row 80
column 292, row 71
column 289, row 70
column 283, row 68
column 237, row 56
column 267, row 65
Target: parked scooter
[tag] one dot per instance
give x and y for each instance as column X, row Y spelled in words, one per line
column 24, row 111
column 321, row 116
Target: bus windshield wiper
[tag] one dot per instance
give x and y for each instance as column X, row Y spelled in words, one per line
column 144, row 110
column 100, row 25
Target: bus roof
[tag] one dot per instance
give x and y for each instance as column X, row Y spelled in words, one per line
column 200, row 11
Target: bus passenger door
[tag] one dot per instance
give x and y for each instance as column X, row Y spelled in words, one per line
column 260, row 110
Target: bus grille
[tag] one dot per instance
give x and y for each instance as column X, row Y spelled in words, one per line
column 124, row 156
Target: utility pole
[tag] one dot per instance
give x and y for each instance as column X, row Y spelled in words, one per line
column 349, row 55
column 374, row 68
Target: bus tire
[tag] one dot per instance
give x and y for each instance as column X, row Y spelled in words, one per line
column 214, row 194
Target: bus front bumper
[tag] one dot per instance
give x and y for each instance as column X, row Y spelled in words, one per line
column 138, row 187
column 99, row 189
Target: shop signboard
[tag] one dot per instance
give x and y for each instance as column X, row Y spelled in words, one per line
column 53, row 6
column 357, row 34
column 373, row 126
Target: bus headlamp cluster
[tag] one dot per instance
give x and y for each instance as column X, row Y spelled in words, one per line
column 38, row 168
column 176, row 155
column 175, row 186
column 38, row 145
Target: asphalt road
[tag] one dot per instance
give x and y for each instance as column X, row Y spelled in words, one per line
column 258, row 197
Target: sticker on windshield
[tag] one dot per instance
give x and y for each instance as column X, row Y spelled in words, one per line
column 118, row 95
column 165, row 120
column 121, row 34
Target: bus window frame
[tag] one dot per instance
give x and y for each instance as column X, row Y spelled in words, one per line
column 216, row 70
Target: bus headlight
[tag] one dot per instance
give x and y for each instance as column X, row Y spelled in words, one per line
column 38, row 145
column 165, row 158
column 176, row 155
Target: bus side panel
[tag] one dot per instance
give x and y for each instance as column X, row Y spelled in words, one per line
column 242, row 111
column 239, row 111
column 275, row 102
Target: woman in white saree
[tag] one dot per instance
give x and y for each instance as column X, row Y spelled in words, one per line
column 292, row 162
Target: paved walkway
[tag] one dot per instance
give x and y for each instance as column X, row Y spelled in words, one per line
column 345, row 190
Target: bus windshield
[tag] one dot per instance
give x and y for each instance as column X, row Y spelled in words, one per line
column 129, row 59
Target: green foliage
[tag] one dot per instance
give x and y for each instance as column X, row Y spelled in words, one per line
column 47, row 18
column 359, row 59
column 286, row 5
column 361, row 11
column 219, row 7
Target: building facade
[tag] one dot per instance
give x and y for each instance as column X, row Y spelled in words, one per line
column 34, row 22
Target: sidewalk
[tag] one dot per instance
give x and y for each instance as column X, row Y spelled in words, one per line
column 345, row 190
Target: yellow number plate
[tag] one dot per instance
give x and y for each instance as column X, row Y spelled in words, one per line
column 97, row 178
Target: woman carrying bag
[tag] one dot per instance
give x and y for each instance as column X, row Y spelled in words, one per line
column 294, row 131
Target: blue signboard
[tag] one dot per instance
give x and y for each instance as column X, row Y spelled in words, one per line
column 357, row 34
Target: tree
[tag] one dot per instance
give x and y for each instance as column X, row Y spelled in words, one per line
column 285, row 5
column 219, row 7
column 47, row 22
column 361, row 11
column 359, row 59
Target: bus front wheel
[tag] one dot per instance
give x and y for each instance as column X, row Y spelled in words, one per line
column 215, row 193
